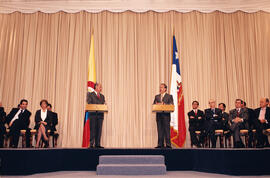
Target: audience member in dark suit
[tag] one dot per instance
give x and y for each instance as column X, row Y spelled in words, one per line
column 250, row 122
column 54, row 119
column 213, row 117
column 163, row 119
column 262, row 121
column 196, row 123
column 18, row 119
column 96, row 118
column 239, row 120
column 43, row 120
column 225, row 125
column 2, row 125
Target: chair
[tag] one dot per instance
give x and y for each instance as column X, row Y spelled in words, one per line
column 244, row 133
column 267, row 132
column 54, row 136
column 198, row 134
column 33, row 133
column 220, row 133
column 6, row 138
column 228, row 142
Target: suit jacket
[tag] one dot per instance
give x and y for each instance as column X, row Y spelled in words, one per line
column 2, row 120
column 167, row 99
column 48, row 119
column 92, row 98
column 243, row 114
column 54, row 121
column 257, row 114
column 209, row 115
column 24, row 118
column 196, row 123
column 225, row 121
column 251, row 117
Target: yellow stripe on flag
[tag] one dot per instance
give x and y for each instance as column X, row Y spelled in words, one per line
column 91, row 63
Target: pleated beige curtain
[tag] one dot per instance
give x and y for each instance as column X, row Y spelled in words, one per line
column 222, row 56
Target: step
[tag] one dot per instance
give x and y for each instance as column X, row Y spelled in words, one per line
column 131, row 169
column 131, row 159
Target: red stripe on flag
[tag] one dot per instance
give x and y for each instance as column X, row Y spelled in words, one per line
column 178, row 137
column 86, row 134
column 90, row 84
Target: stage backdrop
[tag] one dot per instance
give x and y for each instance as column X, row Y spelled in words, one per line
column 222, row 56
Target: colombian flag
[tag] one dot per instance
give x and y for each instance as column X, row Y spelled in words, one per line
column 90, row 86
column 178, row 126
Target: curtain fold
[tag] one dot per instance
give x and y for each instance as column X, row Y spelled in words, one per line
column 222, row 56
column 94, row 6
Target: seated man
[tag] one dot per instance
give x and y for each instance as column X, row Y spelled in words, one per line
column 225, row 126
column 196, row 121
column 239, row 120
column 262, row 121
column 2, row 125
column 19, row 119
column 213, row 117
column 251, row 125
column 54, row 119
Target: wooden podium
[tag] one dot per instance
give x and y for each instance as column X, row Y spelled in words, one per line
column 96, row 107
column 162, row 108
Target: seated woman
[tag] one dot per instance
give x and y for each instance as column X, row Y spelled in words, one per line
column 43, row 119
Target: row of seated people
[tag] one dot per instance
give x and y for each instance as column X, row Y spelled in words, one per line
column 19, row 119
column 207, row 122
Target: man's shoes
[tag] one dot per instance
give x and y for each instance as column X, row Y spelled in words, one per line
column 259, row 146
column 239, row 145
column 158, row 147
column 91, row 146
column 198, row 145
column 99, row 147
column 46, row 144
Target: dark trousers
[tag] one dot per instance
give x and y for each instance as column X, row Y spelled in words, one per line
column 15, row 131
column 1, row 139
column 163, row 127
column 2, row 133
column 262, row 138
column 193, row 136
column 96, row 120
column 211, row 126
column 235, row 128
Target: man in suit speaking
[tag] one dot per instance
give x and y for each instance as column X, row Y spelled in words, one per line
column 96, row 118
column 163, row 119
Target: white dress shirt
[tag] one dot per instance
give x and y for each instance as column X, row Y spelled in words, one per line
column 43, row 114
column 17, row 115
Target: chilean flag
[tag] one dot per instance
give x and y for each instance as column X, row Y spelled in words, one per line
column 178, row 126
column 90, row 85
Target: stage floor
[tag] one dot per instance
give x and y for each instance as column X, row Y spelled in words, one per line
column 92, row 174
column 221, row 161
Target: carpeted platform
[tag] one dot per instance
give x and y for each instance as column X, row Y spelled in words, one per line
column 223, row 161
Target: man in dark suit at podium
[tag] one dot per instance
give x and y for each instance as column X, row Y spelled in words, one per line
column 19, row 119
column 163, row 119
column 96, row 118
column 2, row 125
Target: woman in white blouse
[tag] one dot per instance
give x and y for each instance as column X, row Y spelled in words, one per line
column 43, row 119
